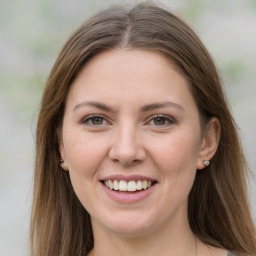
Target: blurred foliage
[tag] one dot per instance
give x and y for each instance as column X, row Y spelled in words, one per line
column 23, row 91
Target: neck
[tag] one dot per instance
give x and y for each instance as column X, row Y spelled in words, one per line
column 166, row 242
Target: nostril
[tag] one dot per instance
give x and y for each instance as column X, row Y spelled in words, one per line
column 127, row 151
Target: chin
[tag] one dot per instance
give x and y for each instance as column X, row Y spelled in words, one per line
column 131, row 230
column 127, row 225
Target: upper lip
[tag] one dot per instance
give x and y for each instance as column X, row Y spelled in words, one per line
column 119, row 177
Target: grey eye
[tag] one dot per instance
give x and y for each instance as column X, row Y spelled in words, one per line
column 159, row 121
column 97, row 120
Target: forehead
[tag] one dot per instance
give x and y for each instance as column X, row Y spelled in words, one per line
column 128, row 61
column 130, row 74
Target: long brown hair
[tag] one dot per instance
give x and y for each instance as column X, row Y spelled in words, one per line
column 218, row 208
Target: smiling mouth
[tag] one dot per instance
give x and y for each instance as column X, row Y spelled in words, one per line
column 130, row 186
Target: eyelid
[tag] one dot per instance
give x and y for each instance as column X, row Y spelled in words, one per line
column 169, row 119
column 86, row 120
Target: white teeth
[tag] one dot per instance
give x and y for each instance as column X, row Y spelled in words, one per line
column 139, row 185
column 132, row 185
column 123, row 185
column 116, row 185
column 110, row 184
column 144, row 184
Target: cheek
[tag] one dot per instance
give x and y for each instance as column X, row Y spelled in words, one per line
column 84, row 156
column 177, row 159
column 178, row 150
column 83, row 153
column 178, row 169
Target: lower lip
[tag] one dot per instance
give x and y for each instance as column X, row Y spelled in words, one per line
column 128, row 197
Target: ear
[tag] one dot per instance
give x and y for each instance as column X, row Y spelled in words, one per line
column 210, row 142
column 64, row 164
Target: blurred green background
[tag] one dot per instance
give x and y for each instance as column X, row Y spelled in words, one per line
column 31, row 35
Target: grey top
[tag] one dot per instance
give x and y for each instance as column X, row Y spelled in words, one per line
column 231, row 254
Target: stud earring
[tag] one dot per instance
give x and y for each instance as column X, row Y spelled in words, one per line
column 206, row 162
column 61, row 161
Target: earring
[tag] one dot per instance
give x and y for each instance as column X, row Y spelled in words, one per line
column 206, row 162
column 61, row 161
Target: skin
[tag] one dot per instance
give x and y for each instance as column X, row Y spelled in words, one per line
column 164, row 143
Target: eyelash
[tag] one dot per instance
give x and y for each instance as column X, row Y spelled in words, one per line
column 167, row 120
column 88, row 120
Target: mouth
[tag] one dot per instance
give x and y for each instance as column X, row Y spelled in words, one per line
column 128, row 186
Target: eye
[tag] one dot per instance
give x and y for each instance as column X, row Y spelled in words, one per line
column 160, row 120
column 95, row 120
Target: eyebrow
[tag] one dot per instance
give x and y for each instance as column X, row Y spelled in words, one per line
column 161, row 105
column 94, row 104
column 144, row 108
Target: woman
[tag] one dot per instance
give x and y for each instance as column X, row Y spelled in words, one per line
column 136, row 150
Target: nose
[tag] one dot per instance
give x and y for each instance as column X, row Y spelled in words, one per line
column 127, row 148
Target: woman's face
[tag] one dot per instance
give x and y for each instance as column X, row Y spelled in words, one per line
column 131, row 123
